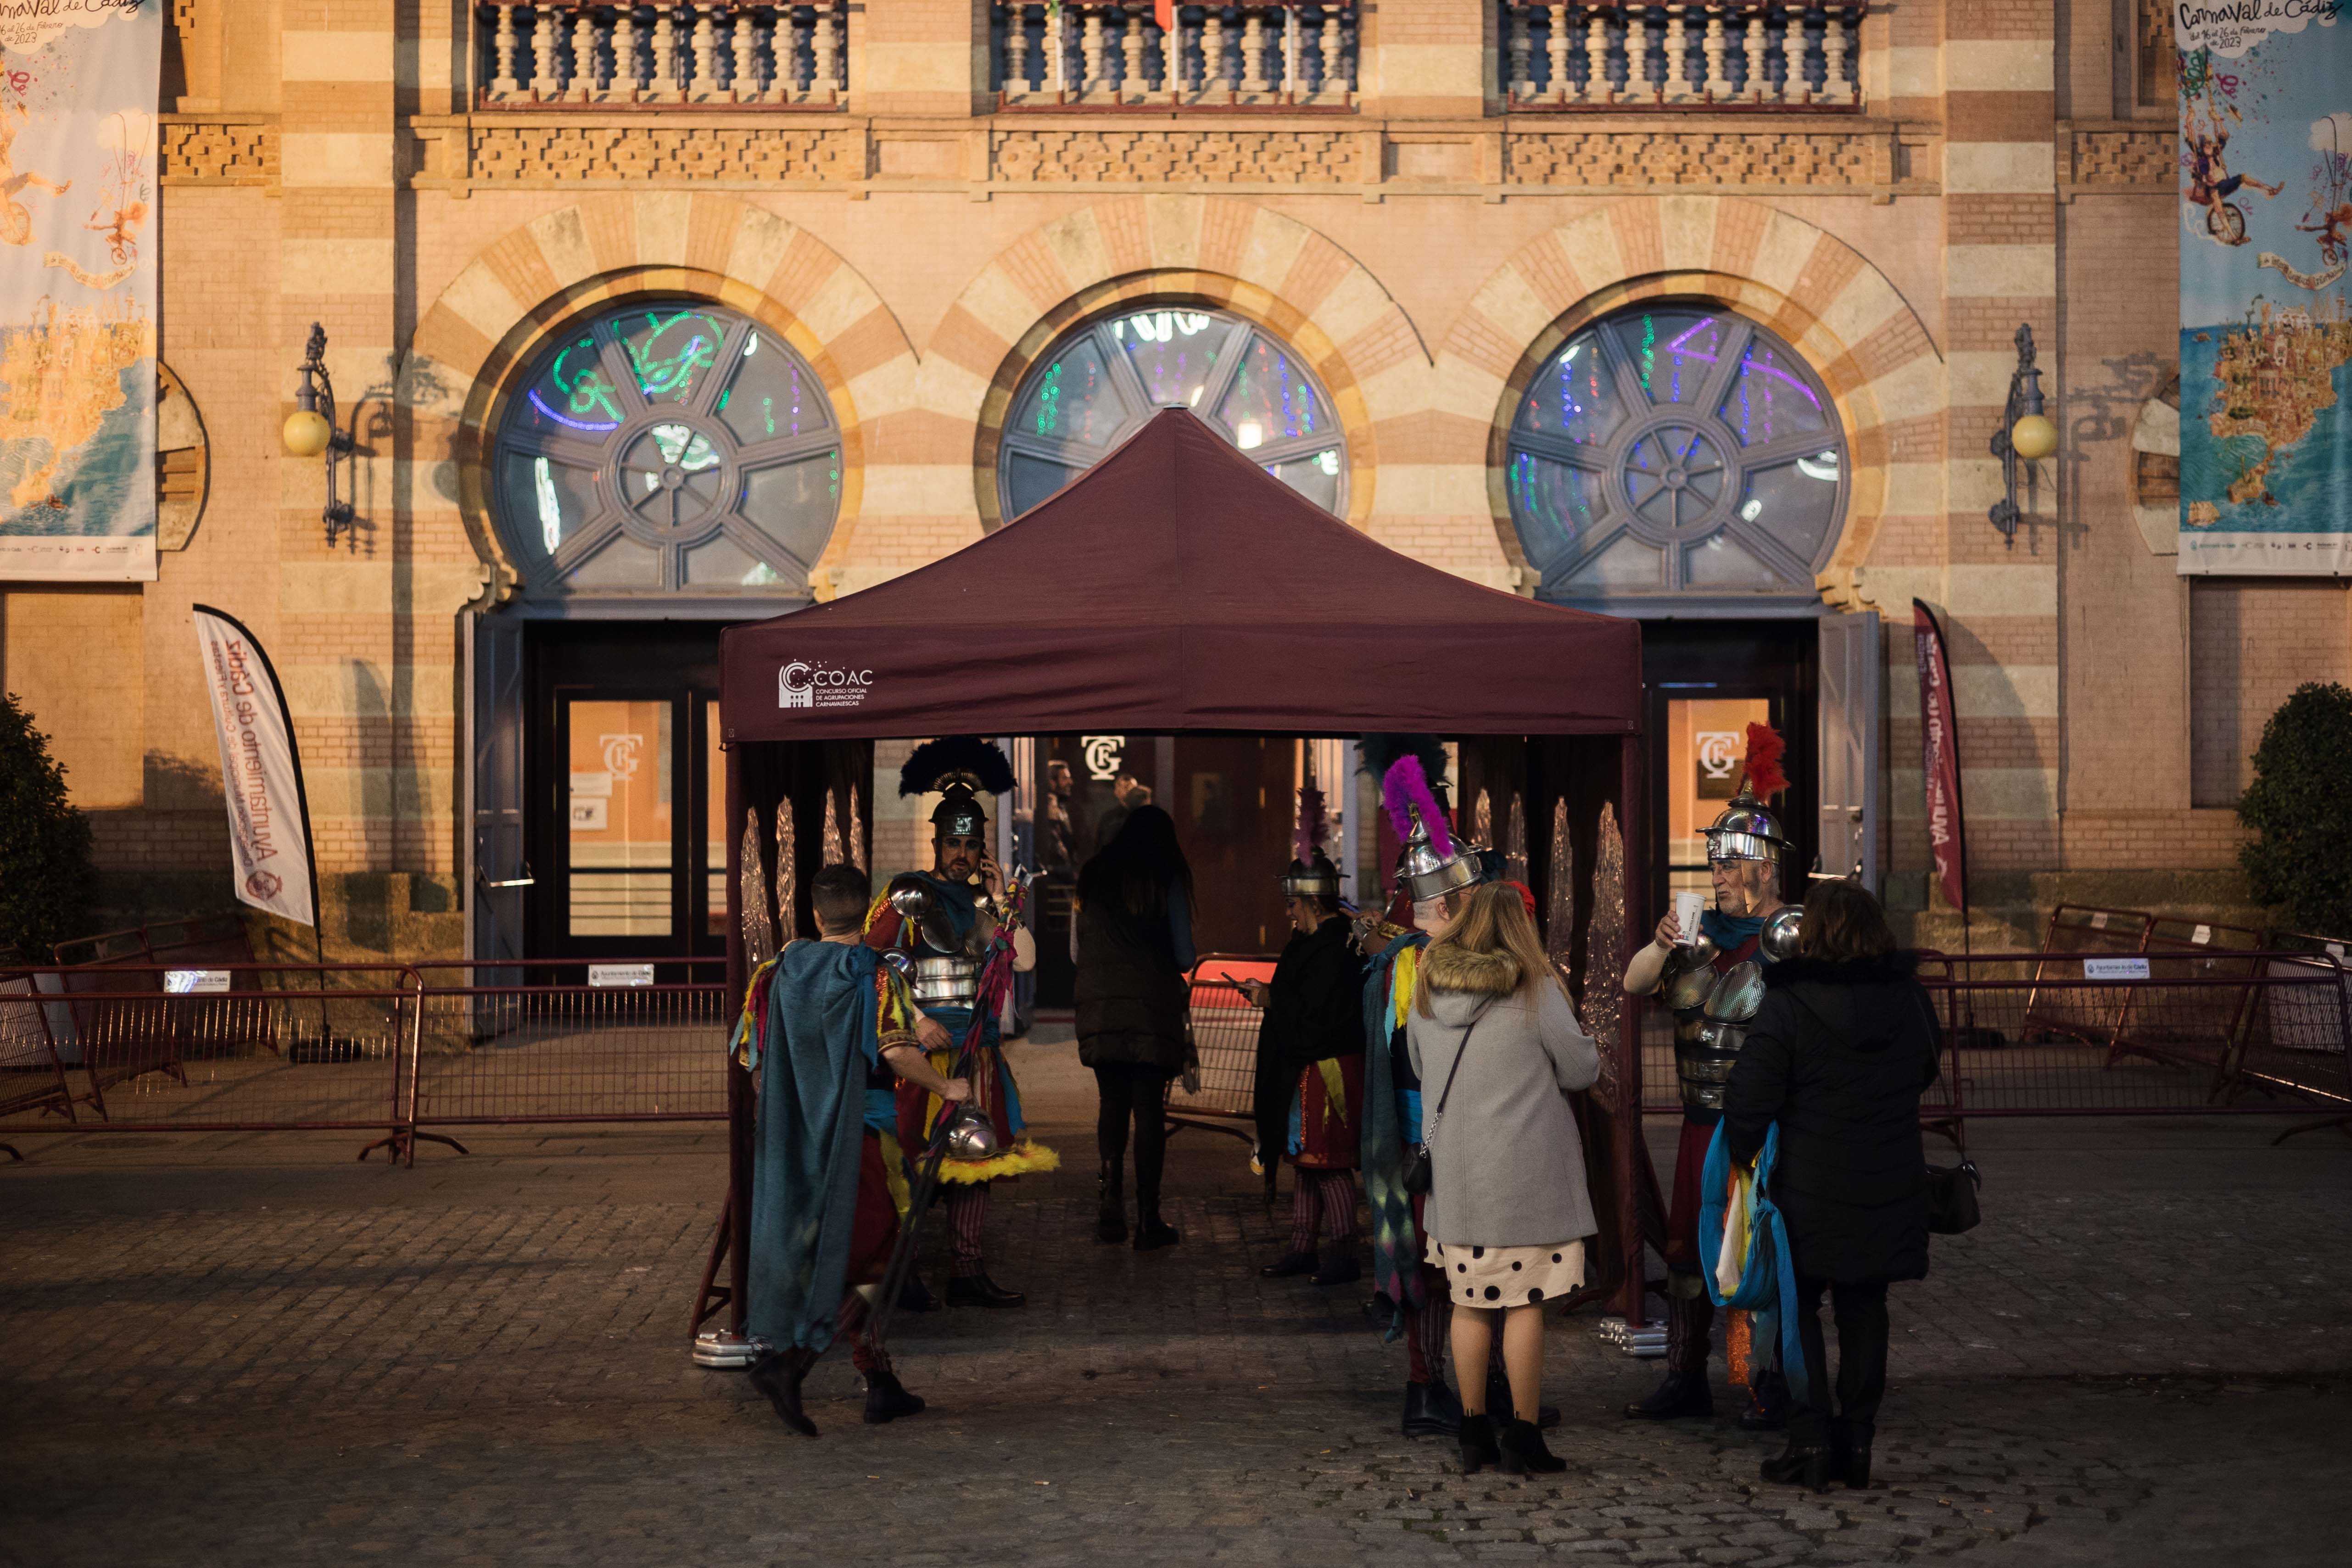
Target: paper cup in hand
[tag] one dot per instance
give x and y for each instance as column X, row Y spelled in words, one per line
column 1688, row 907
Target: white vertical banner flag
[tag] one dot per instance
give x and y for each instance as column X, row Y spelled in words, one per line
column 268, row 815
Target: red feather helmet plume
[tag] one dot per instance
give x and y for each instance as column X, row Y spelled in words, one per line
column 1764, row 750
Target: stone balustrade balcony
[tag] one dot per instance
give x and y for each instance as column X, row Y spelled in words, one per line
column 1732, row 57
column 1114, row 53
column 673, row 52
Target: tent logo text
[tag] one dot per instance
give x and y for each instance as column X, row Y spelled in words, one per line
column 804, row 684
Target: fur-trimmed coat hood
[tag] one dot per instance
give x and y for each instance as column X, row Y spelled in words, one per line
column 1445, row 967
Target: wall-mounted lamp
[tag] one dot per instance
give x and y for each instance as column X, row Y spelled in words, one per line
column 308, row 430
column 2024, row 432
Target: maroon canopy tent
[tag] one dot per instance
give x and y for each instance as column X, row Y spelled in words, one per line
column 1177, row 587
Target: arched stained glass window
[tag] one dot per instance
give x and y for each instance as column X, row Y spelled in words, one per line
column 1099, row 384
column 668, row 447
column 1678, row 449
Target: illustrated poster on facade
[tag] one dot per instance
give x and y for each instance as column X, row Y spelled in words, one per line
column 78, row 90
column 2265, row 329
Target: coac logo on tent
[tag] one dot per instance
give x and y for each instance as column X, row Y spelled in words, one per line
column 801, row 683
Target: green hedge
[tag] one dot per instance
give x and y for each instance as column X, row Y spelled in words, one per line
column 44, row 876
column 2299, row 808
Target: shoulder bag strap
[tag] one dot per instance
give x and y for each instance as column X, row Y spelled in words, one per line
column 1429, row 1128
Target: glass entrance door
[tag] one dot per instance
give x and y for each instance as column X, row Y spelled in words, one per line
column 641, row 867
column 1706, row 682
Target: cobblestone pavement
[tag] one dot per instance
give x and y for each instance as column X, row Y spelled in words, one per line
column 254, row 1355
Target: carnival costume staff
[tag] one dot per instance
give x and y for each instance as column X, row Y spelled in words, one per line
column 1712, row 980
column 828, row 1027
column 1310, row 1072
column 1433, row 875
column 939, row 925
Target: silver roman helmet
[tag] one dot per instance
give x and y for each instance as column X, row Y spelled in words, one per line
column 1426, row 871
column 1746, row 829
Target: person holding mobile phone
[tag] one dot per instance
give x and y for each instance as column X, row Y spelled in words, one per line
column 1310, row 1097
column 1712, row 981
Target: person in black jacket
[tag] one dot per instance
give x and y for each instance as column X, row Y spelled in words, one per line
column 1309, row 1096
column 1838, row 1055
column 1134, row 921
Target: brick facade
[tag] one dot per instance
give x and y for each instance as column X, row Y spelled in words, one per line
column 1421, row 243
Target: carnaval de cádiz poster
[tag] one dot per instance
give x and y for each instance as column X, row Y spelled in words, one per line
column 77, row 86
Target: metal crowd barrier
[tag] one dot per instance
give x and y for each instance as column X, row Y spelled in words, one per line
column 2205, row 1029
column 565, row 1041
column 398, row 1049
column 1224, row 1028
column 237, row 1048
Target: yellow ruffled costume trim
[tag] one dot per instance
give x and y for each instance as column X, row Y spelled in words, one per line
column 1024, row 1158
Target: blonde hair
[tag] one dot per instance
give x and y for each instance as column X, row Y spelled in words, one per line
column 1494, row 922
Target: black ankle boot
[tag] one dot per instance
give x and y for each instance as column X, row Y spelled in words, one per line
column 1290, row 1263
column 1430, row 1411
column 914, row 1296
column 779, row 1374
column 1338, row 1268
column 1767, row 1404
column 1498, row 1398
column 886, row 1398
column 1853, row 1454
column 1478, row 1448
column 1524, row 1452
column 1682, row 1394
column 1800, row 1464
column 1110, row 1218
column 1151, row 1232
column 980, row 1291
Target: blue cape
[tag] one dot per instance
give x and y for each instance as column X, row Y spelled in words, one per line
column 1767, row 1283
column 1396, row 1257
column 820, row 1042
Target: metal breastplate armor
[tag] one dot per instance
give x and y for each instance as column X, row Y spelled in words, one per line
column 1712, row 1009
column 940, row 969
column 1713, row 1006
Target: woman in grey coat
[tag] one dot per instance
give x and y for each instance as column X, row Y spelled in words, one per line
column 1509, row 1208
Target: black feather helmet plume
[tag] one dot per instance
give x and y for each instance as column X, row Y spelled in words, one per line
column 1379, row 753
column 961, row 768
column 981, row 764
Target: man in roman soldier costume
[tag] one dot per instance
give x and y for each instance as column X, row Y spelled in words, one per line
column 1712, row 980
column 1309, row 1096
column 939, row 925
column 828, row 1030
column 1433, row 875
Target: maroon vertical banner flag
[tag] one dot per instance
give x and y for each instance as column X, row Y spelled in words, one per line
column 1940, row 737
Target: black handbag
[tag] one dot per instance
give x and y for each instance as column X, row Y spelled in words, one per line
column 1952, row 1198
column 1420, row 1174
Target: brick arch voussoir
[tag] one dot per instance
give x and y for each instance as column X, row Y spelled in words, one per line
column 1220, row 252
column 493, row 316
column 1638, row 249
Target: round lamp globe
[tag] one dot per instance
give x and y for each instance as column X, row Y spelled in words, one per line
column 2033, row 437
column 307, row 433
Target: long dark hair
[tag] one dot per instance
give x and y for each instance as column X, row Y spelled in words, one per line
column 1843, row 921
column 1132, row 875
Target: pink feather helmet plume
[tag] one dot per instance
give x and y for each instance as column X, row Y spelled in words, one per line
column 1432, row 865
column 1311, row 870
column 1312, row 828
column 1406, row 790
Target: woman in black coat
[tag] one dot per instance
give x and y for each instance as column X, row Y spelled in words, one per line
column 1134, row 921
column 1838, row 1055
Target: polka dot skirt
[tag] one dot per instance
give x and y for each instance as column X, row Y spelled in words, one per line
column 1508, row 1276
